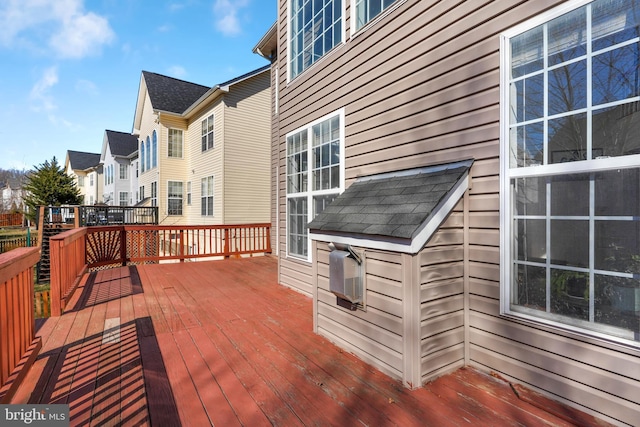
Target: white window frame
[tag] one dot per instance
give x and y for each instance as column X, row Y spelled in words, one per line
column 310, row 193
column 207, row 191
column 507, row 173
column 80, row 181
column 290, row 75
column 124, row 171
column 353, row 16
column 206, row 133
column 154, row 193
column 180, row 197
column 126, row 198
column 188, row 193
column 174, row 148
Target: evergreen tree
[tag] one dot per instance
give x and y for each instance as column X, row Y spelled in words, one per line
column 49, row 185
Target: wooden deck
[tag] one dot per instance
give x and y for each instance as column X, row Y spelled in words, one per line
column 222, row 343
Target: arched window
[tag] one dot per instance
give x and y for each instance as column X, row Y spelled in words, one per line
column 154, row 150
column 142, row 163
column 148, row 159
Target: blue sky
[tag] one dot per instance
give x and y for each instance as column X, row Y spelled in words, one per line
column 69, row 69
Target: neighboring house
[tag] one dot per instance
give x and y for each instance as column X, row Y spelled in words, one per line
column 204, row 151
column 12, row 195
column 84, row 168
column 457, row 183
column 119, row 161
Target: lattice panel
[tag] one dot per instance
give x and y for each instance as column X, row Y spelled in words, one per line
column 103, row 247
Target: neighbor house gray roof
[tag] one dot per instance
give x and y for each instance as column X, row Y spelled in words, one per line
column 81, row 160
column 121, row 143
column 170, row 94
column 396, row 206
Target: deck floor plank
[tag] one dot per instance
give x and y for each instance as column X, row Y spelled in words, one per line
column 222, row 343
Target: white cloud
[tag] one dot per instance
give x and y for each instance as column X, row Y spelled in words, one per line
column 40, row 92
column 177, row 71
column 63, row 25
column 226, row 16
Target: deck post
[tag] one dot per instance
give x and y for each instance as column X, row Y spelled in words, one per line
column 123, row 246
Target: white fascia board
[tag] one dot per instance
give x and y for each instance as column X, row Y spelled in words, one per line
column 413, row 246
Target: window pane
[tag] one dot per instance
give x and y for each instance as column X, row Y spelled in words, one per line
column 617, row 302
column 570, row 243
column 615, row 74
column 527, row 52
column 529, row 99
column 617, row 193
column 568, row 88
column 567, row 36
column 527, row 145
column 570, row 293
column 613, row 22
column 570, row 195
column 530, row 290
column 617, row 246
column 297, row 220
column 530, row 196
column 615, row 131
column 531, row 240
column 568, row 139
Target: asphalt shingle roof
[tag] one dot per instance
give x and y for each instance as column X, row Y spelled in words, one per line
column 81, row 160
column 121, row 143
column 390, row 205
column 170, row 94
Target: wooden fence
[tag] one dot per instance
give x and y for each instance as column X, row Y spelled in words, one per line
column 68, row 264
column 18, row 344
column 11, row 220
column 18, row 242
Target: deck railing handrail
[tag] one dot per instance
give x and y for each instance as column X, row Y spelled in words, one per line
column 18, row 343
column 68, row 264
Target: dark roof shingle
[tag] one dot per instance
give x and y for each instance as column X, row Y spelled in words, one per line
column 81, row 160
column 170, row 94
column 121, row 143
column 390, row 205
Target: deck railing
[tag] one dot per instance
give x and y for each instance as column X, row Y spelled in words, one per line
column 68, row 264
column 18, row 343
column 75, row 251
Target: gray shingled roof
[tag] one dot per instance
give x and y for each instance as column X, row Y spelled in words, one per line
column 81, row 160
column 121, row 143
column 172, row 95
column 390, row 205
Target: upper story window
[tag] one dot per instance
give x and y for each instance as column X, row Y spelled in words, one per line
column 207, row 133
column 142, row 163
column 91, row 180
column 124, row 172
column 571, row 162
column 366, row 10
column 148, row 158
column 206, row 200
column 315, row 27
column 154, row 149
column 80, row 181
column 174, row 144
column 315, row 176
column 154, row 193
column 124, row 198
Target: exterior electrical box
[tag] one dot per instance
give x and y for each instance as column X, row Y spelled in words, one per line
column 345, row 276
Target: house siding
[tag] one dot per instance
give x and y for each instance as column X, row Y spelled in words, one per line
column 247, row 119
column 421, row 87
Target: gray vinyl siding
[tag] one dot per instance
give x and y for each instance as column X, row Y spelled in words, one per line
column 374, row 335
column 441, row 283
column 421, row 87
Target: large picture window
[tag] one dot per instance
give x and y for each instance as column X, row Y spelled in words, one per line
column 571, row 162
column 315, row 176
column 315, row 27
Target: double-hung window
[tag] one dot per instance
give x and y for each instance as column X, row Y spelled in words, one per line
column 206, row 196
column 80, row 181
column 124, row 171
column 315, row 27
column 174, row 197
column 315, row 176
column 124, row 198
column 154, row 193
column 207, row 133
column 571, row 169
column 174, row 146
column 154, row 149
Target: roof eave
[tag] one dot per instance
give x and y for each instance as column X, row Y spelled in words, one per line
column 267, row 44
